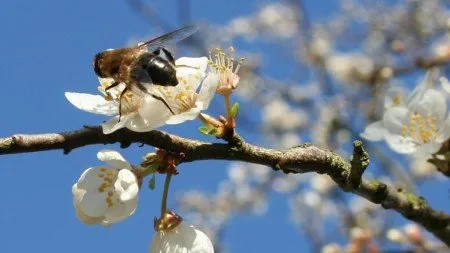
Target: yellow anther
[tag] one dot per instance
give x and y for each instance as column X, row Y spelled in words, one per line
column 397, row 100
column 109, row 202
column 420, row 128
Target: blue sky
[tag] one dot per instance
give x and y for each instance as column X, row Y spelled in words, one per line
column 47, row 48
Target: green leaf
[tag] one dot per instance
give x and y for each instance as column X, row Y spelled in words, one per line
column 203, row 130
column 207, row 130
column 152, row 182
column 212, row 131
column 234, row 110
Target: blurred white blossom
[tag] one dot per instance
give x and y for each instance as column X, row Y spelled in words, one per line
column 350, row 67
column 441, row 47
column 332, row 248
column 395, row 235
column 237, row 173
column 274, row 19
column 285, row 183
column 289, row 140
column 278, row 115
column 278, row 19
column 322, row 183
column 260, row 173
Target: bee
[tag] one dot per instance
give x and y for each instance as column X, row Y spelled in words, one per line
column 141, row 66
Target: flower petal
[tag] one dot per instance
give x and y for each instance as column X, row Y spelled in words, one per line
column 152, row 115
column 445, row 84
column 120, row 212
column 90, row 179
column 77, row 197
column 432, row 103
column 113, row 159
column 425, row 150
column 394, row 119
column 400, row 144
column 374, row 131
column 208, row 89
column 126, row 185
column 190, row 82
column 444, row 131
column 420, row 89
column 92, row 103
column 196, row 65
column 94, row 205
column 114, row 124
column 183, row 238
column 182, row 117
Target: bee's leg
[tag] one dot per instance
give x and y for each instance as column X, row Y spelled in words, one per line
column 143, row 89
column 120, row 102
column 114, row 84
column 143, row 79
column 164, row 101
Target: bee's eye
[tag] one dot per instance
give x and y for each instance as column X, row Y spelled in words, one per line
column 98, row 60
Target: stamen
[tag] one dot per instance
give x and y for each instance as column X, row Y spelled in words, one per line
column 420, row 128
column 238, row 66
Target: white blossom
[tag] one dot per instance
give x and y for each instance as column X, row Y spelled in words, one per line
column 143, row 113
column 223, row 67
column 184, row 99
column 395, row 96
column 106, row 194
column 184, row 238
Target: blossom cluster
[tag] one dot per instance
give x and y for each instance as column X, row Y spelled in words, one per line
column 109, row 194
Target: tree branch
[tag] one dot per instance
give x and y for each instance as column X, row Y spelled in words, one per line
column 300, row 159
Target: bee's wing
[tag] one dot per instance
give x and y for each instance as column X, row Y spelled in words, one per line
column 170, row 38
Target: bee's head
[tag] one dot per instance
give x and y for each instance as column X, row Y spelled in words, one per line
column 98, row 62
